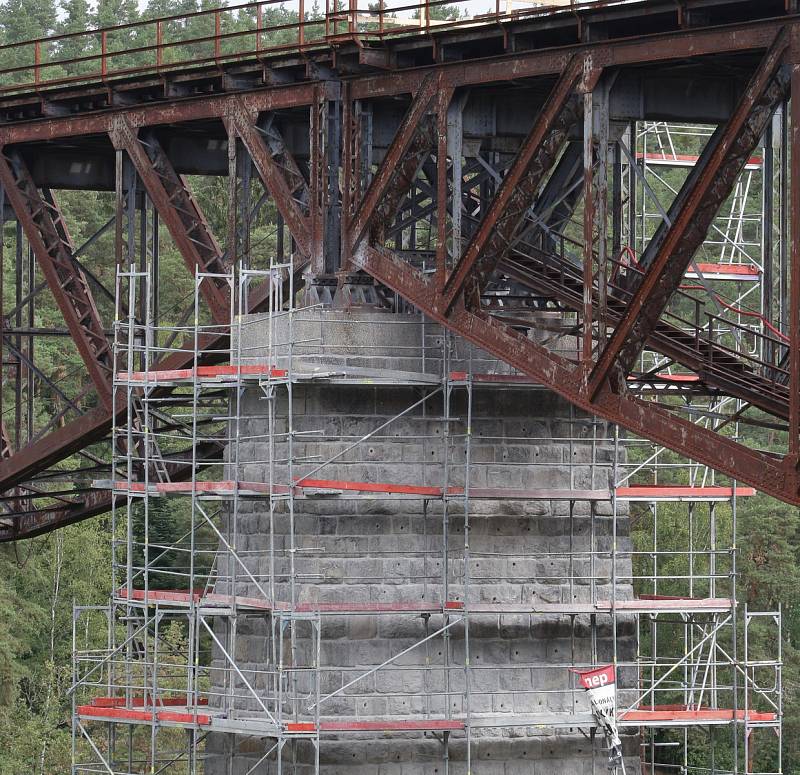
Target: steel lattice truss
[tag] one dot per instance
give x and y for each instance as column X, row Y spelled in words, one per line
column 483, row 175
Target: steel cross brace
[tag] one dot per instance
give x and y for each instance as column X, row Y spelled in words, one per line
column 537, row 156
column 278, row 172
column 767, row 473
column 92, row 427
column 412, row 143
column 172, row 198
column 47, row 234
column 723, row 162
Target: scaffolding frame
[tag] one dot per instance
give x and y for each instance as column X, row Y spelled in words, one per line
column 151, row 680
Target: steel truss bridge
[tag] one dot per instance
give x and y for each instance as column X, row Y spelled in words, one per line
column 482, row 170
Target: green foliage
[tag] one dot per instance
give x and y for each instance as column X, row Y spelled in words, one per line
column 442, row 13
column 38, row 582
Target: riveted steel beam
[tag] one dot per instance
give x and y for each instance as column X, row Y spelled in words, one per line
column 172, row 197
column 522, row 64
column 278, row 171
column 719, row 167
column 506, row 214
column 42, row 520
column 413, row 141
column 767, row 473
column 49, row 238
column 96, row 423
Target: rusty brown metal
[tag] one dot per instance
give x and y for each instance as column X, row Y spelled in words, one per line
column 43, row 225
column 96, row 424
column 794, row 269
column 767, row 473
column 353, row 164
column 279, row 173
column 34, row 522
column 241, row 44
column 752, row 36
column 324, row 177
column 536, row 157
column 721, row 163
column 6, row 448
column 412, row 142
column 170, row 111
column 181, row 214
column 309, row 208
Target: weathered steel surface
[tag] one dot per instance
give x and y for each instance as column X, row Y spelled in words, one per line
column 721, row 163
column 506, row 214
column 412, row 143
column 279, row 172
column 176, row 206
column 337, row 105
column 767, row 473
column 47, row 234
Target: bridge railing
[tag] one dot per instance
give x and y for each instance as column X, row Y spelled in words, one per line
column 243, row 32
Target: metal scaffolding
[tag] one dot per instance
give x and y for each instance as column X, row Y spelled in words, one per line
column 692, row 683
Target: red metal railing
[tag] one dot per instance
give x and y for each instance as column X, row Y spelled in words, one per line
column 240, row 32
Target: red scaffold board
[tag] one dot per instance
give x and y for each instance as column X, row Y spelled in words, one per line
column 667, row 378
column 131, row 715
column 667, row 492
column 307, row 487
column 203, row 372
column 725, row 272
column 140, row 702
column 183, row 597
column 381, row 725
column 668, row 714
column 686, row 160
column 389, row 607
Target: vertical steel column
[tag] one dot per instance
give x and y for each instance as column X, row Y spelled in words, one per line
column 783, row 255
column 588, row 223
column 18, row 296
column 441, row 189
column 454, row 112
column 7, row 438
column 632, row 184
column 30, row 286
column 324, row 163
column 352, row 143
column 767, row 236
column 794, row 285
column 616, row 200
column 600, row 236
column 240, row 213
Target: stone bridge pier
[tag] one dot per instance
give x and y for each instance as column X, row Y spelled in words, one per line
column 475, row 608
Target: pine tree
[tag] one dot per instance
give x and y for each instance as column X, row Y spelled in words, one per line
column 24, row 20
column 77, row 18
column 111, row 13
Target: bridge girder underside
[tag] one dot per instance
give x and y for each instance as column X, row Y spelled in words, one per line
column 489, row 192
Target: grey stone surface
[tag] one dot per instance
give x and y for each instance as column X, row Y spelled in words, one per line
column 394, row 550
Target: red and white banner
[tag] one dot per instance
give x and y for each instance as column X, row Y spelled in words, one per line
column 600, row 685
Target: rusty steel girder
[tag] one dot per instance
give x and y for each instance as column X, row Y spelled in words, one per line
column 770, row 474
column 173, row 199
column 413, row 142
column 278, row 171
column 306, row 208
column 721, row 164
column 536, row 158
column 48, row 236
